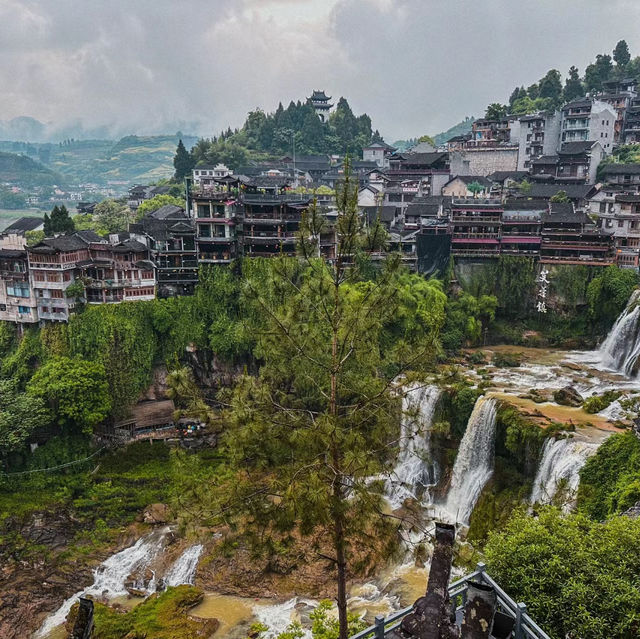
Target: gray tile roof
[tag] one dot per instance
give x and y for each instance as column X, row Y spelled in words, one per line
column 25, row 224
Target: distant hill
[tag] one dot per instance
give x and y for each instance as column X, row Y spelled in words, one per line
column 24, row 171
column 131, row 159
column 457, row 129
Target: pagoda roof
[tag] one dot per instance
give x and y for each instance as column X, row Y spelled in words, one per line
column 319, row 95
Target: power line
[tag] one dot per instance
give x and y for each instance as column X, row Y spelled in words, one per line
column 45, row 470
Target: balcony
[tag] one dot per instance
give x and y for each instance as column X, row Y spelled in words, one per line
column 215, row 239
column 476, row 219
column 270, row 198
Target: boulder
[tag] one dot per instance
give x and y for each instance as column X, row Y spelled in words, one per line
column 156, row 514
column 567, row 396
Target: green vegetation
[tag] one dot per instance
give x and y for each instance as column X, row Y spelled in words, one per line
column 75, row 390
column 596, row 403
column 507, row 359
column 610, row 479
column 578, row 576
column 458, row 129
column 20, row 415
column 273, row 134
column 22, row 170
column 608, row 294
column 303, row 430
column 156, row 202
column 161, row 616
column 323, row 625
column 59, row 222
column 101, row 494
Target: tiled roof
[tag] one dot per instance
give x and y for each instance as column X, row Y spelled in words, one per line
column 25, row 224
column 575, row 148
column 168, row 211
column 621, row 169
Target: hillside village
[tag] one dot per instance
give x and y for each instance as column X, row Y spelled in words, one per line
column 540, row 185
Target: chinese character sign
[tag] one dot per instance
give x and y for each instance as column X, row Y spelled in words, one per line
column 543, row 287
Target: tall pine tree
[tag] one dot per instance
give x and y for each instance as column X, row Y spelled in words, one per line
column 182, row 162
column 306, row 436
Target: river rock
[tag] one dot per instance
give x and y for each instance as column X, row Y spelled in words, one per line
column 156, row 514
column 137, row 583
column 567, row 396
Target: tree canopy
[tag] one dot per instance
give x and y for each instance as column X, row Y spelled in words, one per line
column 579, row 577
column 20, row 415
column 59, row 222
column 76, row 390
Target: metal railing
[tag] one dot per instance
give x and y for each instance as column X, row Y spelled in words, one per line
column 524, row 627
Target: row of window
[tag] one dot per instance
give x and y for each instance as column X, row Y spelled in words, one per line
column 139, row 292
column 18, row 290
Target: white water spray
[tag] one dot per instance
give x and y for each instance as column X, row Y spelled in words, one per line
column 474, row 463
column 183, row 570
column 415, row 471
column 621, row 349
column 278, row 617
column 110, row 576
column 560, row 466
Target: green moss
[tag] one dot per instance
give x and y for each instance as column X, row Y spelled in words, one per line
column 161, row 616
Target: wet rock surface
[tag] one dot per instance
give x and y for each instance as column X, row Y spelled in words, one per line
column 567, row 396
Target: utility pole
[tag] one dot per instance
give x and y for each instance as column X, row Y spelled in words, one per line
column 293, row 144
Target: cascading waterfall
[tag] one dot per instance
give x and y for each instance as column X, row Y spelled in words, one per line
column 183, row 570
column 560, row 466
column 621, row 349
column 110, row 576
column 415, row 471
column 474, row 463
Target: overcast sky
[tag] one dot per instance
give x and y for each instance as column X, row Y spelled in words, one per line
column 416, row 66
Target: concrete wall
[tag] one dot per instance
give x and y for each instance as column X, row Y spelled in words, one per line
column 484, row 161
column 602, row 125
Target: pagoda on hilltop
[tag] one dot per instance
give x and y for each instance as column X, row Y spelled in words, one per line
column 320, row 103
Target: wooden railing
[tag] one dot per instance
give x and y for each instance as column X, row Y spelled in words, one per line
column 524, row 627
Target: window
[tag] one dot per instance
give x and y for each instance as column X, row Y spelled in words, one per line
column 204, row 230
column 203, row 210
column 620, row 224
column 23, row 309
column 18, row 289
column 57, row 309
column 44, row 309
column 56, row 294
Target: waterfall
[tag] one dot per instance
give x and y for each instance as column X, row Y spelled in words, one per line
column 474, row 462
column 621, row 349
column 110, row 576
column 561, row 462
column 183, row 570
column 415, row 472
column 278, row 617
